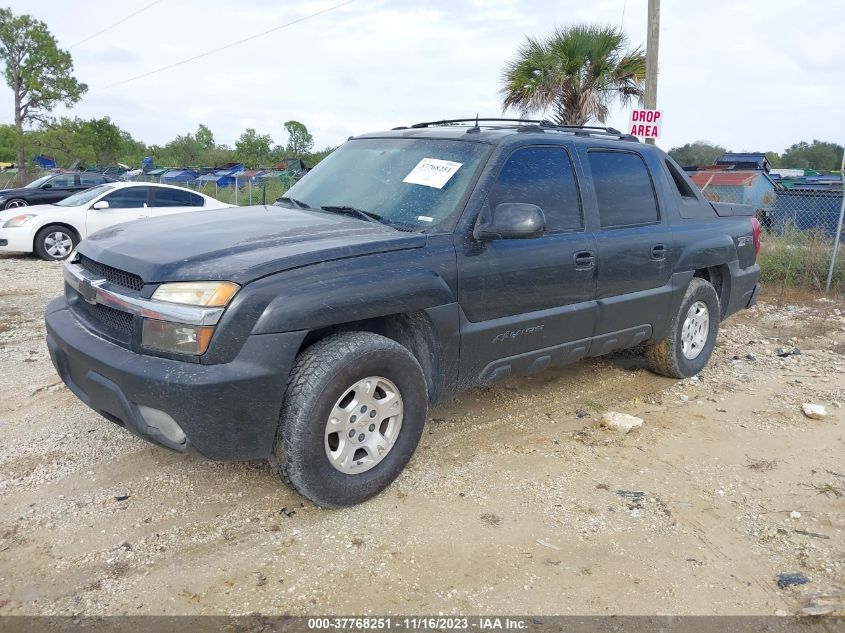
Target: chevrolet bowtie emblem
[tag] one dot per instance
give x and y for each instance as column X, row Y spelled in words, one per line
column 88, row 292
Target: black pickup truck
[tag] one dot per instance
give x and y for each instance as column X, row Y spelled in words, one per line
column 406, row 266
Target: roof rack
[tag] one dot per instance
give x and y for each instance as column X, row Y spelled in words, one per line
column 534, row 125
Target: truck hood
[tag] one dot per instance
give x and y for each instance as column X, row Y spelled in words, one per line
column 240, row 244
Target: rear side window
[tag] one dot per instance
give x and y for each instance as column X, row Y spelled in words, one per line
column 541, row 176
column 176, row 198
column 128, row 198
column 624, row 190
column 680, row 182
column 89, row 180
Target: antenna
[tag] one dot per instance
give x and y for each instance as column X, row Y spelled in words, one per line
column 476, row 128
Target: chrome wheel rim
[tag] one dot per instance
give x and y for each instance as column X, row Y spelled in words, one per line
column 58, row 245
column 363, row 425
column 695, row 330
column 16, row 204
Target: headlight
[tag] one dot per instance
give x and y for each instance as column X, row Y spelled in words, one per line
column 168, row 336
column 207, row 294
column 18, row 220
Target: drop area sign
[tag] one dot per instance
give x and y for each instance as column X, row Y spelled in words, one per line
column 646, row 123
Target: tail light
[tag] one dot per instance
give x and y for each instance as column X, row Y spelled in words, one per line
column 755, row 229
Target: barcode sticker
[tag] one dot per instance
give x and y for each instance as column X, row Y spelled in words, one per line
column 432, row 172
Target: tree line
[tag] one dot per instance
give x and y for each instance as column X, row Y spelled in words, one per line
column 103, row 142
column 818, row 155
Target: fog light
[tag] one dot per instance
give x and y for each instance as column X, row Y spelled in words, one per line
column 162, row 422
column 176, row 337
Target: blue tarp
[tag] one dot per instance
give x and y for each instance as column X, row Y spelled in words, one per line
column 179, row 175
column 222, row 178
column 147, row 164
column 226, row 177
column 44, row 162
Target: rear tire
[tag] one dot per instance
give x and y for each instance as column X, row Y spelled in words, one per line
column 54, row 243
column 16, row 203
column 353, row 415
column 692, row 336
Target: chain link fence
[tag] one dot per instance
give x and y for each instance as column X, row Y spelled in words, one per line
column 800, row 220
column 237, row 189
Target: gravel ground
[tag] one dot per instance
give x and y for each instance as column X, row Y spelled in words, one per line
column 517, row 500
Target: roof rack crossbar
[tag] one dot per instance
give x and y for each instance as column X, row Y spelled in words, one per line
column 540, row 123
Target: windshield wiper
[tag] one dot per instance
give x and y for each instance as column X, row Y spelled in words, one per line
column 353, row 211
column 293, row 202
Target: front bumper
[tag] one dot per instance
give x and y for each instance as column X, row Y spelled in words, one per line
column 16, row 240
column 227, row 412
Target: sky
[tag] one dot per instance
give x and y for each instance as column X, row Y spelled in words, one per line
column 749, row 75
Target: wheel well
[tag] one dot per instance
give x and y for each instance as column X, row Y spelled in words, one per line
column 719, row 278
column 414, row 331
column 47, row 226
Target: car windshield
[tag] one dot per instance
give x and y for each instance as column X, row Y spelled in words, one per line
column 83, row 197
column 407, row 183
column 37, row 183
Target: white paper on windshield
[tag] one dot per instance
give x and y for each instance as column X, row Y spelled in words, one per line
column 432, row 172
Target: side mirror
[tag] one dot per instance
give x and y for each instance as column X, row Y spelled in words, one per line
column 100, row 204
column 511, row 221
column 47, row 185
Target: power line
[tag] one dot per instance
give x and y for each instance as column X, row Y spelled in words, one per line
column 222, row 48
column 108, row 28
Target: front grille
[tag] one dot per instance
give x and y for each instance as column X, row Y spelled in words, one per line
column 112, row 275
column 114, row 323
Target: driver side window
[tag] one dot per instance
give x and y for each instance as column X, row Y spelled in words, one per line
column 542, row 176
column 129, row 198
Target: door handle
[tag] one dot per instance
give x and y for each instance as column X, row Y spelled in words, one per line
column 658, row 251
column 584, row 260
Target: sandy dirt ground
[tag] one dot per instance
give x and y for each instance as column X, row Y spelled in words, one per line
column 517, row 500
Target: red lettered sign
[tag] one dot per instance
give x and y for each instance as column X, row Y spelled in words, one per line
column 646, row 123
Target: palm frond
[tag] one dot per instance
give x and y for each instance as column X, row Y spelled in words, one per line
column 577, row 72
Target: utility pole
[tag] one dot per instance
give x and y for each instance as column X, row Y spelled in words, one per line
column 651, row 46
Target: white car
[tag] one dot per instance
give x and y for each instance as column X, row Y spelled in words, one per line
column 52, row 231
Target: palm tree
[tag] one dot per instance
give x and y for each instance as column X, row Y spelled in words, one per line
column 577, row 72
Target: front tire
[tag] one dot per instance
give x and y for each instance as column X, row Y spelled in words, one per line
column 353, row 415
column 54, row 243
column 692, row 336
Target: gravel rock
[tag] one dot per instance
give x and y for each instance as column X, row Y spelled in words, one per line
column 814, row 411
column 620, row 421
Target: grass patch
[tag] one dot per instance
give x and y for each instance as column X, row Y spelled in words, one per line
column 760, row 464
column 247, row 194
column 826, row 489
column 799, row 259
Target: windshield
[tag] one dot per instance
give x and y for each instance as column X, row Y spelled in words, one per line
column 37, row 183
column 83, row 197
column 403, row 182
